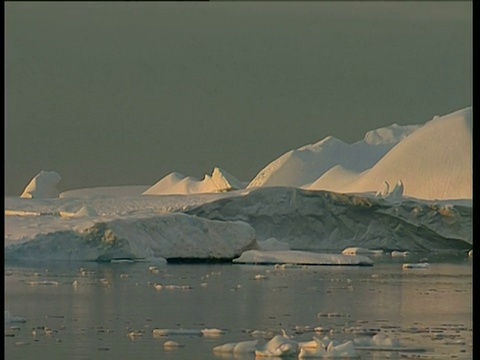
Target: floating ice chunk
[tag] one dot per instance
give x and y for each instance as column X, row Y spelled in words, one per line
column 260, row 277
column 153, row 269
column 212, row 332
column 308, row 344
column 228, row 347
column 279, row 345
column 377, row 340
column 359, row 330
column 45, row 282
column 415, row 265
column 258, row 333
column 288, row 266
column 302, row 329
column 134, row 334
column 300, row 258
column 9, row 319
column 242, row 347
column 158, row 286
column 399, row 253
column 171, row 344
column 122, row 261
column 382, row 342
column 470, row 253
column 328, row 349
column 332, row 314
column 166, row 332
column 177, row 287
column 156, row 260
column 21, row 213
column 360, row 250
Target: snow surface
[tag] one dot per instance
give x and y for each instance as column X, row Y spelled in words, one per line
column 333, row 196
column 121, row 191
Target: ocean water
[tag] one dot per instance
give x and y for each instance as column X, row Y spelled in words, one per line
column 108, row 310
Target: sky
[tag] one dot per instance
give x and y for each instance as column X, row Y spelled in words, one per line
column 123, row 93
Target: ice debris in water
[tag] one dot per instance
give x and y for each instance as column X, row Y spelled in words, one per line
column 9, row 319
column 285, row 346
column 422, row 265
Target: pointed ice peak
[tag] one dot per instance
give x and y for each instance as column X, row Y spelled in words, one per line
column 225, row 181
column 396, row 194
column 85, row 210
column 384, row 191
column 177, row 184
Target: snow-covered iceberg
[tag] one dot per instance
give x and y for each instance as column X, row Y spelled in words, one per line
column 169, row 236
column 178, row 184
column 308, row 163
column 325, row 221
column 43, row 185
column 433, row 161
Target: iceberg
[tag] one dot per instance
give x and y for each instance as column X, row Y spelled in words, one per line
column 329, row 201
column 300, row 258
column 171, row 236
column 43, row 185
column 327, row 221
column 178, row 184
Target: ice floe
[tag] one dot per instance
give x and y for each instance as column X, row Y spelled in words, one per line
column 300, row 258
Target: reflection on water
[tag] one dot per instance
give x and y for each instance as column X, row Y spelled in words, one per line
column 105, row 311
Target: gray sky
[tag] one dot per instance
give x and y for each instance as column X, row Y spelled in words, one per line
column 124, row 93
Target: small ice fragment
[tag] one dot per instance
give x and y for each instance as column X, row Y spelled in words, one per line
column 213, row 332
column 170, row 344
column 415, row 265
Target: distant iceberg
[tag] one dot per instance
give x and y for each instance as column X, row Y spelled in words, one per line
column 178, row 184
column 433, row 161
column 308, row 163
column 43, row 185
column 393, row 195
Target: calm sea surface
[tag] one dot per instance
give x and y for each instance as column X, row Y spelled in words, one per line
column 88, row 310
